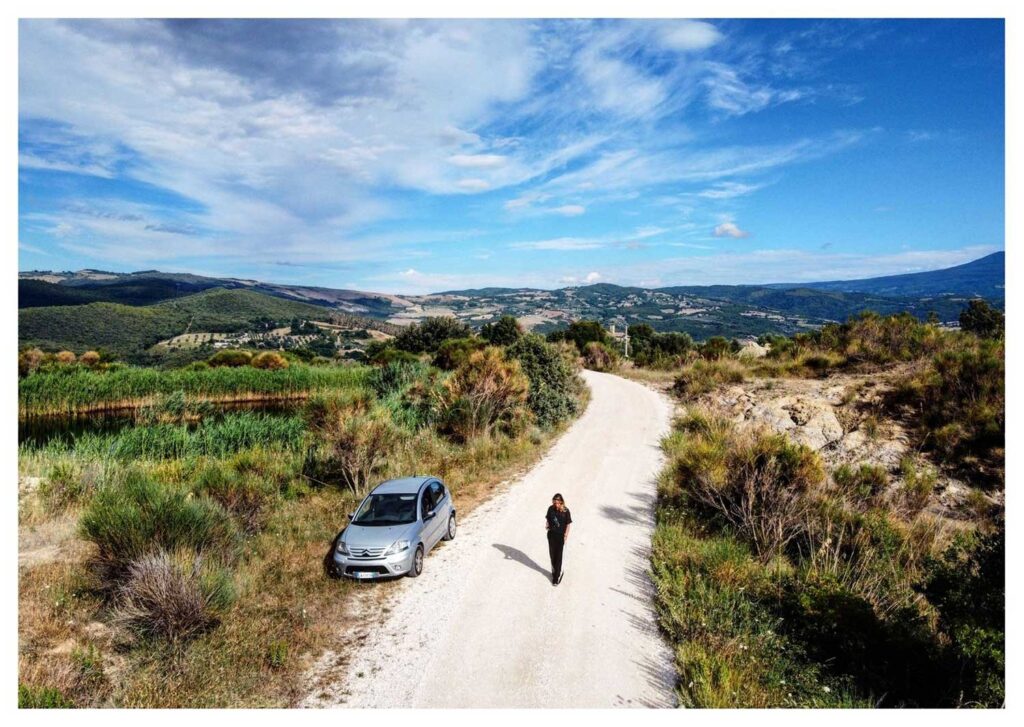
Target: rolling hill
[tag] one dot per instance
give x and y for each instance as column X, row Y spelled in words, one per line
column 127, row 330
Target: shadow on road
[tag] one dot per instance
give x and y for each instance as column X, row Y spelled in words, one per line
column 519, row 556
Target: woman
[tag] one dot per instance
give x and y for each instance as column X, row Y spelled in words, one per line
column 557, row 522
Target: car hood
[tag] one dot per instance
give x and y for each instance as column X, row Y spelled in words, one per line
column 361, row 536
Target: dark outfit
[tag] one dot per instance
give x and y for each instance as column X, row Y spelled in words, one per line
column 557, row 523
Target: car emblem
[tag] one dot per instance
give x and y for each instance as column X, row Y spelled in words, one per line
column 366, row 552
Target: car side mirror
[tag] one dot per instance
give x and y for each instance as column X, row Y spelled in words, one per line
column 351, row 515
column 430, row 514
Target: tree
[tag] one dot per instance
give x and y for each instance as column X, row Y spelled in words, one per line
column 430, row 333
column 503, row 332
column 982, row 319
column 553, row 383
column 485, row 390
column 581, row 333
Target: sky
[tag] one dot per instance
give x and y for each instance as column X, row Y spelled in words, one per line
column 422, row 156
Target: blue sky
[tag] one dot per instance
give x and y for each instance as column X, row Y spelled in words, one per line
column 434, row 155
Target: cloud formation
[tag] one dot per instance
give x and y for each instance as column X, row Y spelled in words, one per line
column 730, row 229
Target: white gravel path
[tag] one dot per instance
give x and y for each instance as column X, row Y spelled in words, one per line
column 484, row 627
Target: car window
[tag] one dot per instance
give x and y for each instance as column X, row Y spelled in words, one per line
column 426, row 504
column 437, row 492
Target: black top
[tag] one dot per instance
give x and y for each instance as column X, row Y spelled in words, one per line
column 558, row 521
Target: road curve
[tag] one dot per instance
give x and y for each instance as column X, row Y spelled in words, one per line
column 484, row 627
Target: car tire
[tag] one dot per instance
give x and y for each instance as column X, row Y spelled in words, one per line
column 449, row 534
column 417, row 563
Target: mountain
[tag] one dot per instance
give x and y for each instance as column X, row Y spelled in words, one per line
column 984, row 278
column 39, row 288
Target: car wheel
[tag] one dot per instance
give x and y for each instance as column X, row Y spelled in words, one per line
column 450, row 535
column 417, row 562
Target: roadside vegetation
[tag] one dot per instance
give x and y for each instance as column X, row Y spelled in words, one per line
column 785, row 578
column 182, row 559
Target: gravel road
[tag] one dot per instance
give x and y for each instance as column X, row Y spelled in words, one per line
column 484, row 627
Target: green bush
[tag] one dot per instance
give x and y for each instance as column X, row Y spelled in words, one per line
column 485, row 392
column 982, row 319
column 453, row 353
column 862, row 483
column 503, row 332
column 244, row 494
column 231, row 358
column 554, row 386
column 967, row 586
column 428, row 335
column 599, row 356
column 141, row 516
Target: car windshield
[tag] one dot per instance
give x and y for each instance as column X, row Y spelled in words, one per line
column 389, row 509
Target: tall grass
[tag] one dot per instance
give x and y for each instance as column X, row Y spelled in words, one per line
column 76, row 390
column 211, row 437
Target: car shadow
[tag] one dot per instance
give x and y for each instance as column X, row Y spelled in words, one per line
column 521, row 557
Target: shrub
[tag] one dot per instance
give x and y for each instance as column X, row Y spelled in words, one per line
column 65, row 357
column 277, row 654
column 173, row 597
column 484, row 391
column 393, row 377
column 428, row 335
column 503, row 332
column 600, row 357
column 715, row 348
column 230, row 357
column 89, row 358
column 581, row 333
column 453, row 353
column 861, row 483
column 967, row 586
column 352, row 449
column 29, row 361
column 244, row 495
column 982, row 319
column 757, row 482
column 269, row 360
column 917, row 487
column 140, row 516
column 64, row 486
column 700, row 377
column 554, row 387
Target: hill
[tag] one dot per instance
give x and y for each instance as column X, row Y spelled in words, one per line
column 984, row 277
column 127, row 330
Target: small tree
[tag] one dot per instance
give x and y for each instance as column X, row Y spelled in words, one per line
column 598, row 356
column 503, row 332
column 429, row 334
column 982, row 319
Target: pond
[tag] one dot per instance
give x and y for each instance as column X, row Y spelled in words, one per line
column 38, row 431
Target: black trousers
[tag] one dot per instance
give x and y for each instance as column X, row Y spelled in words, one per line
column 556, row 542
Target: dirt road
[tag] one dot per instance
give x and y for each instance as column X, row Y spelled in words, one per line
column 484, row 627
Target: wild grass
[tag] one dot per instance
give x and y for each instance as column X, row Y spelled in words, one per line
column 78, row 390
column 778, row 589
column 702, row 376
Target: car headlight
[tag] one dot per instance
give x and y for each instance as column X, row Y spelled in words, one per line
column 397, row 547
column 342, row 549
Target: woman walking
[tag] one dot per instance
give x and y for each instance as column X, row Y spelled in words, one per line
column 557, row 522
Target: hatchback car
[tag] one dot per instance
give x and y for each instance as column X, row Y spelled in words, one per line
column 394, row 528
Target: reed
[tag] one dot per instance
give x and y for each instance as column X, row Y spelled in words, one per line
column 81, row 391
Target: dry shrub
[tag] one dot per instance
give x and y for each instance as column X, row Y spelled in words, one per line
column 484, row 391
column 270, row 361
column 757, row 481
column 702, row 376
column 29, row 360
column 173, row 597
column 599, row 357
column 65, row 357
column 89, row 358
column 352, row 448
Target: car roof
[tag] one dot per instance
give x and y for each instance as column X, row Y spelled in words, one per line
column 403, row 485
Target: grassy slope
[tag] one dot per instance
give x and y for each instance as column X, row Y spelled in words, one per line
column 128, row 330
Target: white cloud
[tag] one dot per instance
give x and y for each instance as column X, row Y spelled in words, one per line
column 559, row 243
column 728, row 190
column 690, row 35
column 730, row 229
column 569, row 210
column 478, row 161
column 592, row 278
column 474, row 185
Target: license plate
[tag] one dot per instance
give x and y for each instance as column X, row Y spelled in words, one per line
column 363, row 574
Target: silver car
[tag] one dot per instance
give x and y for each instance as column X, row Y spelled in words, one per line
column 394, row 528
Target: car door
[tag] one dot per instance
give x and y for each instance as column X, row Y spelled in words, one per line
column 428, row 535
column 442, row 506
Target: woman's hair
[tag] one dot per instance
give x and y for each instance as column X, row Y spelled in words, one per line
column 558, row 496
